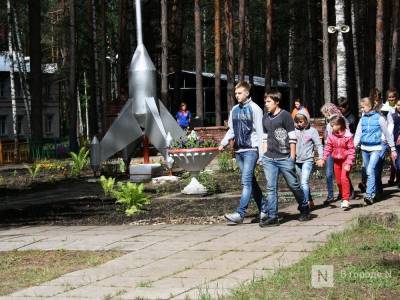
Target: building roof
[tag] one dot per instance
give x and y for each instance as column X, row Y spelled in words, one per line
column 257, row 80
column 5, row 64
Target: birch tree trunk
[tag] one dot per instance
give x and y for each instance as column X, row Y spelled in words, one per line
column 217, row 53
column 96, row 70
column 23, row 77
column 199, row 58
column 393, row 61
column 230, row 75
column 355, row 49
column 12, row 81
column 268, row 44
column 73, row 143
column 379, row 46
column 164, row 53
column 341, row 52
column 35, row 53
column 242, row 38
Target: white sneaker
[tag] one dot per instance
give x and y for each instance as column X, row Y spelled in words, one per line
column 234, row 218
column 344, row 204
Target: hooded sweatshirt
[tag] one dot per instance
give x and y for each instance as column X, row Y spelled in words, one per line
column 307, row 139
column 341, row 147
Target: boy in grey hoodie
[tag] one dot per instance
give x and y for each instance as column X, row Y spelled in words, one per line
column 307, row 140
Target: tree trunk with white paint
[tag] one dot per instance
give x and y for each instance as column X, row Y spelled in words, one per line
column 341, row 52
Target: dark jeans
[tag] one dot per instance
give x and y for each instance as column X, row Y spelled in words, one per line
column 272, row 169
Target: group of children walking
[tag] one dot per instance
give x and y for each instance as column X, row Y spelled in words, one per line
column 286, row 144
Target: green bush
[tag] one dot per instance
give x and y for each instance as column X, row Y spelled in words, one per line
column 108, row 185
column 79, row 161
column 33, row 170
column 131, row 197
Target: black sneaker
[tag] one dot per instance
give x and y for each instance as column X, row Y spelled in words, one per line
column 369, row 200
column 328, row 201
column 339, row 197
column 269, row 222
column 305, row 217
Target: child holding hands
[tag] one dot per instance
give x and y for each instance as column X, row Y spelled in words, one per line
column 340, row 146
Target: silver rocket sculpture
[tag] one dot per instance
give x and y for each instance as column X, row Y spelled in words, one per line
column 143, row 114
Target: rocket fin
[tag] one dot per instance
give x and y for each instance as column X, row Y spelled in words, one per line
column 123, row 131
column 154, row 127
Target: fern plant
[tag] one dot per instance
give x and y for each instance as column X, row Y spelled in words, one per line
column 108, row 185
column 79, row 161
column 131, row 197
column 33, row 170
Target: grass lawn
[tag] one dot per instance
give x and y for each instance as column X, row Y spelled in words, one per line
column 20, row 269
column 366, row 262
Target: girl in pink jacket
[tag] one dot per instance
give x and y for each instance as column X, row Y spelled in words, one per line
column 340, row 146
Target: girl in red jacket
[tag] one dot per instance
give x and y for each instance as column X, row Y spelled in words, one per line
column 340, row 146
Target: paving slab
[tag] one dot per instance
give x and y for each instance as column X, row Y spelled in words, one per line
column 180, row 261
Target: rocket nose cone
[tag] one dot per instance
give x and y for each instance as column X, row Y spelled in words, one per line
column 141, row 60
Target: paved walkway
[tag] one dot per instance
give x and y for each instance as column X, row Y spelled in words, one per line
column 179, row 261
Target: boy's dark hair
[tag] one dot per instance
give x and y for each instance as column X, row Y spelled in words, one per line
column 276, row 96
column 243, row 84
column 343, row 102
column 338, row 120
column 392, row 91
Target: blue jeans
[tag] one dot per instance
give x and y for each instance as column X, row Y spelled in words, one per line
column 272, row 168
column 370, row 161
column 247, row 162
column 329, row 177
column 303, row 171
column 379, row 167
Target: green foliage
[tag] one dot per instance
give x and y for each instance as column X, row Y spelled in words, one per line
column 33, row 170
column 79, row 161
column 131, row 197
column 121, row 166
column 225, row 162
column 108, row 185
